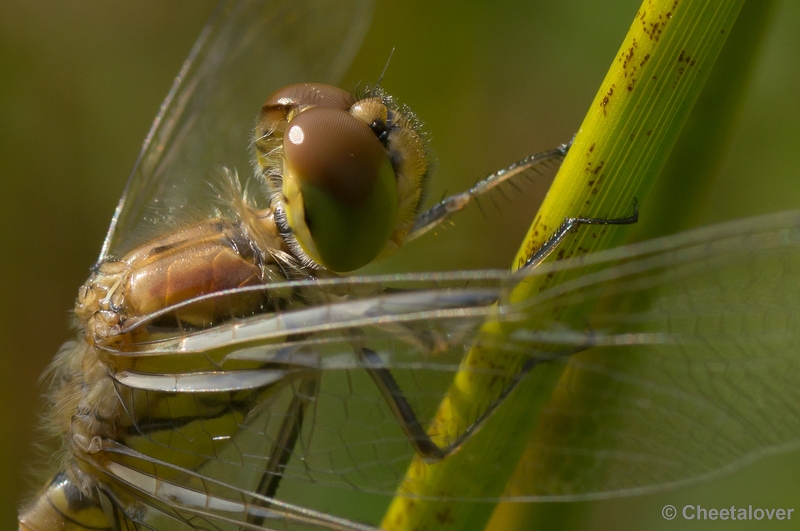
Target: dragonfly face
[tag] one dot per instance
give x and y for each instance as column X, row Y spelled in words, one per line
column 221, row 360
column 346, row 176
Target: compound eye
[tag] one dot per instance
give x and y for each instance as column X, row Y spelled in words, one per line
column 284, row 101
column 339, row 188
column 317, row 94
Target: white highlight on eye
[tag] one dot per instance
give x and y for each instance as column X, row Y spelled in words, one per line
column 296, row 135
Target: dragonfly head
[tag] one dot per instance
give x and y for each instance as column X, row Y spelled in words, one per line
column 345, row 175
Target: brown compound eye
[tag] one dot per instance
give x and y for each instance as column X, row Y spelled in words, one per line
column 339, row 187
column 279, row 106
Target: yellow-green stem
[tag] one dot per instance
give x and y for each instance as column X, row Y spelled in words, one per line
column 620, row 149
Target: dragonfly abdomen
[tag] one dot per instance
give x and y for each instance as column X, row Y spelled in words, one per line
column 63, row 506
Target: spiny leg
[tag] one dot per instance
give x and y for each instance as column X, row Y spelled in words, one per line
column 449, row 206
column 569, row 224
column 400, row 407
column 404, row 413
column 396, row 399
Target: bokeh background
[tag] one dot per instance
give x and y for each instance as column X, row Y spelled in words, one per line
column 81, row 82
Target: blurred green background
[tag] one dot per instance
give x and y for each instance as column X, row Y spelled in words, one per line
column 81, row 82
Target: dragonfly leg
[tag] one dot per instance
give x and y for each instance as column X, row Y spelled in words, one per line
column 567, row 225
column 404, row 413
column 289, row 432
column 449, row 206
column 400, row 407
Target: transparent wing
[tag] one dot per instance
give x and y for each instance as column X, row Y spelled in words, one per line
column 695, row 370
column 248, row 50
column 687, row 368
column 142, row 498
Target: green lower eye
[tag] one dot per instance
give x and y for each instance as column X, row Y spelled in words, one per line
column 348, row 188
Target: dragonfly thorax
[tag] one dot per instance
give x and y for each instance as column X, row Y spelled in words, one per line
column 208, row 257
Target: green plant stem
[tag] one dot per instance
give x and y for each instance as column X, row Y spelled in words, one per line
column 622, row 146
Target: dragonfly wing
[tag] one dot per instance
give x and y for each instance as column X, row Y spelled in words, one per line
column 248, row 50
column 215, row 402
column 694, row 372
column 685, row 370
column 141, row 499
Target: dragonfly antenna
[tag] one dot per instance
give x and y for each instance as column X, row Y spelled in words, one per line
column 385, row 67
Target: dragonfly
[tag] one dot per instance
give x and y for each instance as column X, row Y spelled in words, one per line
column 197, row 404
